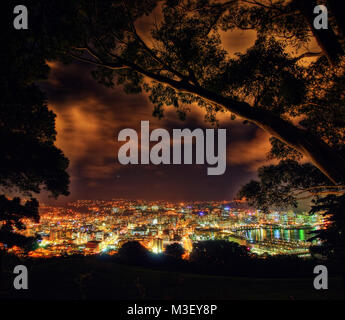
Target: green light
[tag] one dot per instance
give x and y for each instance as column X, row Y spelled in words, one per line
column 301, row 235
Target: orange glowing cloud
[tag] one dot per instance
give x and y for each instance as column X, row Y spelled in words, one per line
column 252, row 154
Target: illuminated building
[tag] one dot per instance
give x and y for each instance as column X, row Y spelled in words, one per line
column 159, row 223
column 157, row 246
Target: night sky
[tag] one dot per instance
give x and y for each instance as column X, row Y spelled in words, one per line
column 89, row 117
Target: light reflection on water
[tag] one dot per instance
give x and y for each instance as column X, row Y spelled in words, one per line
column 262, row 234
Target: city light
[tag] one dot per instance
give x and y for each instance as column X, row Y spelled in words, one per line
column 102, row 227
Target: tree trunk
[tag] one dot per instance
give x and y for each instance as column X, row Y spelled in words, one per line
column 326, row 38
column 338, row 12
column 329, row 162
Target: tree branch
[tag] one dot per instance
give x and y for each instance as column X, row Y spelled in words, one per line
column 148, row 50
column 100, row 64
column 308, row 55
column 319, row 153
column 319, row 192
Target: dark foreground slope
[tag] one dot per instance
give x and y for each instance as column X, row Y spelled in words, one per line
column 96, row 278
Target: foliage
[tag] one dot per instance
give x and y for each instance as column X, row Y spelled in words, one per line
column 133, row 252
column 282, row 185
column 333, row 237
column 174, row 250
column 218, row 252
column 29, row 160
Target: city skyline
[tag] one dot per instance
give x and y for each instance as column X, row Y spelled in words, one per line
column 92, row 227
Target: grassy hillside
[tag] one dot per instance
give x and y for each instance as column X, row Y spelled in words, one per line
column 95, row 278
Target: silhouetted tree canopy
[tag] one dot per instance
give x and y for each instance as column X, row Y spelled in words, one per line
column 218, row 252
column 29, row 160
column 174, row 250
column 283, row 185
column 333, row 237
column 181, row 61
column 133, row 252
